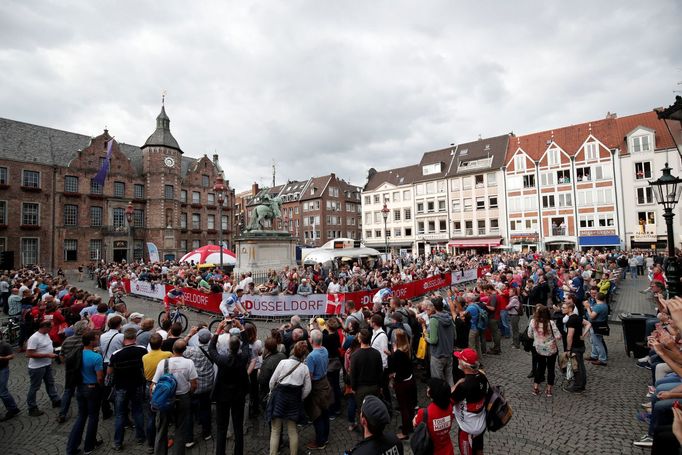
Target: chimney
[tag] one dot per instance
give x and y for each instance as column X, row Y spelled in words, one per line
column 254, row 188
column 611, row 115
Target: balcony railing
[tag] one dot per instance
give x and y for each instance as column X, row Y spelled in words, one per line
column 481, row 231
column 117, row 230
column 469, row 231
column 559, row 231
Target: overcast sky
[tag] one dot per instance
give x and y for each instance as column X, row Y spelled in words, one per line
column 332, row 86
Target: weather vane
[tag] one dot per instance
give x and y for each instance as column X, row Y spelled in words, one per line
column 163, row 98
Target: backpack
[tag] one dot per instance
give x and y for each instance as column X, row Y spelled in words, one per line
column 420, row 442
column 163, row 397
column 498, row 410
column 73, row 363
column 482, row 323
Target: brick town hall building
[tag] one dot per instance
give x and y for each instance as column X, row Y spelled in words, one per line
column 52, row 212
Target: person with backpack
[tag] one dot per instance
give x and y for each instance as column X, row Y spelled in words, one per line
column 478, row 321
column 72, row 346
column 437, row 417
column 151, row 361
column 174, row 382
column 88, row 394
column 405, row 387
column 127, row 369
column 374, row 417
column 201, row 398
column 546, row 337
column 441, row 339
column 469, row 397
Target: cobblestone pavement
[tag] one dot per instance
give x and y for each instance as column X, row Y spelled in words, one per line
column 599, row 421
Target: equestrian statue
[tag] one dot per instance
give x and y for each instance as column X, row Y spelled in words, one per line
column 269, row 209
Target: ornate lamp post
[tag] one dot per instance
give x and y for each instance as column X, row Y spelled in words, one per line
column 667, row 191
column 219, row 189
column 384, row 212
column 129, row 217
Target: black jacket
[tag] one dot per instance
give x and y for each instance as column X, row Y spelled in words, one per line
column 232, row 378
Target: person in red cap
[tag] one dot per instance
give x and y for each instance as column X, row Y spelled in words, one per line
column 469, row 396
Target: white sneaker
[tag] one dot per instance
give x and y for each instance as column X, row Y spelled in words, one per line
column 646, row 441
column 189, row 445
column 644, row 359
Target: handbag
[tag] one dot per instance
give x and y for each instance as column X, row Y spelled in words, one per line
column 525, row 340
column 421, row 348
column 601, row 328
column 274, row 388
column 420, row 442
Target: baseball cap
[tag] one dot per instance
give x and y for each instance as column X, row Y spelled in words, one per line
column 204, row 336
column 467, row 355
column 238, row 288
column 235, row 331
column 375, row 411
column 136, row 316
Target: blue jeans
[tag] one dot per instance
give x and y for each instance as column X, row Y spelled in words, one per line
column 598, row 347
column 68, row 394
column 633, row 271
column 5, row 396
column 88, row 410
column 661, row 410
column 37, row 376
column 321, row 425
column 506, row 323
column 122, row 397
column 150, row 418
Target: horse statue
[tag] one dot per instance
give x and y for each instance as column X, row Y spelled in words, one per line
column 268, row 209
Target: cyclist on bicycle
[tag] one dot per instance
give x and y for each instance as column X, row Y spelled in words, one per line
column 381, row 298
column 173, row 297
column 232, row 304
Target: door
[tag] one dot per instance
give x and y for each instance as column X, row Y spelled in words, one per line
column 120, row 255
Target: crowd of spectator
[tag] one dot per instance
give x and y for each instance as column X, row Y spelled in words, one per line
column 354, row 366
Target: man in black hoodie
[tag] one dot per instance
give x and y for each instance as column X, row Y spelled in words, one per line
column 441, row 338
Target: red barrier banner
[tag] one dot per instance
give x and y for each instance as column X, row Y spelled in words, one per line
column 314, row 304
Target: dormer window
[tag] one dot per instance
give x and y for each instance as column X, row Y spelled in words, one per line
column 591, row 151
column 553, row 157
column 640, row 143
column 431, row 169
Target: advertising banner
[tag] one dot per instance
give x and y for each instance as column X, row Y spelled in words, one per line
column 145, row 289
column 153, row 252
column 314, row 304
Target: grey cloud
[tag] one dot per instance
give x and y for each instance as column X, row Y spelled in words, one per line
column 331, row 86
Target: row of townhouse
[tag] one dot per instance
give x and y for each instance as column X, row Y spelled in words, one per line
column 314, row 211
column 579, row 186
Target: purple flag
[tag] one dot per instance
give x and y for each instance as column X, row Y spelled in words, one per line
column 104, row 170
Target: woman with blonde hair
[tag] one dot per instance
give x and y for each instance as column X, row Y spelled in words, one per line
column 404, row 385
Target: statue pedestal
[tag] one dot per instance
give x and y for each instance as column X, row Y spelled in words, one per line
column 260, row 251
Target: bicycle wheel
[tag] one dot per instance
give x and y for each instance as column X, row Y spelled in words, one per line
column 13, row 336
column 182, row 319
column 162, row 316
column 213, row 325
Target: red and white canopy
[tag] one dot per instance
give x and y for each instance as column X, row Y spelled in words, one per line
column 210, row 254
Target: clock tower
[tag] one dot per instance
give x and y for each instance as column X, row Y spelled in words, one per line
column 162, row 160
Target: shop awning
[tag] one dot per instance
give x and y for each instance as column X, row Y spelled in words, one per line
column 474, row 243
column 599, row 240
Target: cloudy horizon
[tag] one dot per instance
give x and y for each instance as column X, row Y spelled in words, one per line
column 323, row 87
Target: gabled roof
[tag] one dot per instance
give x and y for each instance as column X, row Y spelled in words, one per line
column 492, row 147
column 293, row 187
column 317, row 183
column 569, row 138
column 443, row 156
column 649, row 120
column 398, row 176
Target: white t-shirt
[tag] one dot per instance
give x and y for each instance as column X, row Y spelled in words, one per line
column 333, row 288
column 184, row 371
column 42, row 344
column 380, row 343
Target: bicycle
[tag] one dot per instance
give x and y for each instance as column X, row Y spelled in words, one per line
column 10, row 331
column 175, row 315
column 213, row 325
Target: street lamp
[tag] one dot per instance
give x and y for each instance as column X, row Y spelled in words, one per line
column 384, row 213
column 667, row 191
column 129, row 218
column 219, row 189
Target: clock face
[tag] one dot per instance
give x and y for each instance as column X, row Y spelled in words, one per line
column 169, row 161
